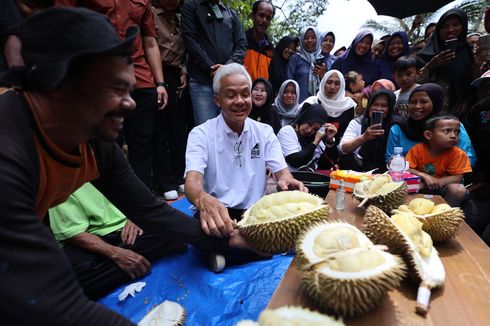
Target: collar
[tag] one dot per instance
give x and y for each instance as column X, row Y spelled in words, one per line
column 227, row 129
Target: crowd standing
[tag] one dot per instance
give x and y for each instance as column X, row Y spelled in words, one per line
column 199, row 105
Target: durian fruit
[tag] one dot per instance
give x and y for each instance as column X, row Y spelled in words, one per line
column 404, row 236
column 292, row 316
column 381, row 191
column 441, row 221
column 273, row 224
column 343, row 272
column 168, row 313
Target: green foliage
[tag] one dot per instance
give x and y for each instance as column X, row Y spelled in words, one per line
column 292, row 16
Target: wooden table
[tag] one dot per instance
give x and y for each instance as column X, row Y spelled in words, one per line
column 464, row 300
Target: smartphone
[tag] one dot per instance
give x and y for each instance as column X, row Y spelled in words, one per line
column 451, row 44
column 319, row 62
column 377, row 118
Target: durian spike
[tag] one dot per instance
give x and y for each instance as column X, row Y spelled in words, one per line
column 364, row 201
column 423, row 298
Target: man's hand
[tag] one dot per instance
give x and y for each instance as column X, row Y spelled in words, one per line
column 215, row 219
column 183, row 82
column 130, row 232
column 130, row 262
column 214, row 69
column 162, row 97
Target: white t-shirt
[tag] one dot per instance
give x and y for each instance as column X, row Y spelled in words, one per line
column 234, row 167
column 290, row 144
column 353, row 131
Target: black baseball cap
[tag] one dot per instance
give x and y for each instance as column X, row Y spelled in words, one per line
column 52, row 38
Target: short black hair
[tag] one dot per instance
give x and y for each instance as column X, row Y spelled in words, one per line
column 350, row 77
column 405, row 62
column 431, row 123
column 256, row 4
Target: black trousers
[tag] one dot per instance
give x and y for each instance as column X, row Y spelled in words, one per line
column 170, row 138
column 99, row 275
column 139, row 131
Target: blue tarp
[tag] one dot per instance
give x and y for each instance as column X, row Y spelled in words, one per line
column 239, row 292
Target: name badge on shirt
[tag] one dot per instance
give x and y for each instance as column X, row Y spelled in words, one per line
column 255, row 152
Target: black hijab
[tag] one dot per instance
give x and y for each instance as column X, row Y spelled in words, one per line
column 278, row 65
column 373, row 151
column 413, row 129
column 263, row 113
column 313, row 113
column 457, row 73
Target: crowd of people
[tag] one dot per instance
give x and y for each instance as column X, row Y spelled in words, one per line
column 110, row 108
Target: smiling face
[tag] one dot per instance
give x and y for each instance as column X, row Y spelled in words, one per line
column 309, row 41
column 380, row 104
column 395, row 48
column 332, row 86
column 101, row 97
column 327, row 44
column 309, row 129
column 420, row 106
column 451, row 28
column 289, row 96
column 363, row 46
column 235, row 100
column 259, row 94
column 262, row 18
column 288, row 52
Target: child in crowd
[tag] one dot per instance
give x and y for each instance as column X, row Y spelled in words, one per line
column 354, row 88
column 439, row 162
column 405, row 72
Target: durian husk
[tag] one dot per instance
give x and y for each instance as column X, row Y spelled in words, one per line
column 280, row 235
column 345, row 293
column 386, row 202
column 441, row 226
column 168, row 313
column 296, row 316
column 381, row 230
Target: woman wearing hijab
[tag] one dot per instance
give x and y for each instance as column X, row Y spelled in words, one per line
column 358, row 58
column 425, row 102
column 328, row 42
column 450, row 66
column 279, row 63
column 286, row 105
column 303, row 142
column 396, row 46
column 262, row 98
column 306, row 67
column 364, row 143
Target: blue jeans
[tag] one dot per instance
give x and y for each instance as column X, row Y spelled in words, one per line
column 203, row 105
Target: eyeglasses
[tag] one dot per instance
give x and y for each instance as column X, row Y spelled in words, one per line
column 238, row 148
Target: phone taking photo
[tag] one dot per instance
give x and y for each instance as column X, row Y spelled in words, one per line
column 319, row 62
column 451, row 44
column 377, row 118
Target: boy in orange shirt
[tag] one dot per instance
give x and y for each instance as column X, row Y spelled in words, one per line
column 439, row 162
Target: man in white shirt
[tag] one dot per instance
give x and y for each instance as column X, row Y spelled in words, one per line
column 227, row 157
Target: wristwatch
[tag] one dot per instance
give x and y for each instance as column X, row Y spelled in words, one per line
column 161, row 83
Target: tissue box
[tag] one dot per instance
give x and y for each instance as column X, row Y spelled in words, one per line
column 349, row 177
column 413, row 182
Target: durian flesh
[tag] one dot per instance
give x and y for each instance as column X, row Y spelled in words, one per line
column 412, row 228
column 296, row 316
column 273, row 223
column 382, row 192
column 168, row 313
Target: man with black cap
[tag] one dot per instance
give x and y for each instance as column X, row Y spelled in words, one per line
column 58, row 131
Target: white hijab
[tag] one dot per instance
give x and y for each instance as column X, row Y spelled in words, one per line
column 339, row 103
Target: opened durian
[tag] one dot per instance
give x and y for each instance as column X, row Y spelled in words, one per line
column 381, row 191
column 403, row 234
column 343, row 271
column 168, row 313
column 273, row 223
column 441, row 221
column 292, row 316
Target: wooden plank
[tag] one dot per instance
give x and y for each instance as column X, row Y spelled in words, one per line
column 464, row 300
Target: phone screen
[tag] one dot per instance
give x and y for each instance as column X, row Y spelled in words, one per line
column 376, row 118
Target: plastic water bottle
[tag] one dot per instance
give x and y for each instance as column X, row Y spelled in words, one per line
column 397, row 164
column 340, row 197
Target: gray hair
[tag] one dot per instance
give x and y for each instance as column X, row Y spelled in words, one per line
column 226, row 70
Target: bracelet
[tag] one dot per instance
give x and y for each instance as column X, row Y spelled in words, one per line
column 161, row 83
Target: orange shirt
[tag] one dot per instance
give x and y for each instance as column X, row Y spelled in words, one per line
column 453, row 161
